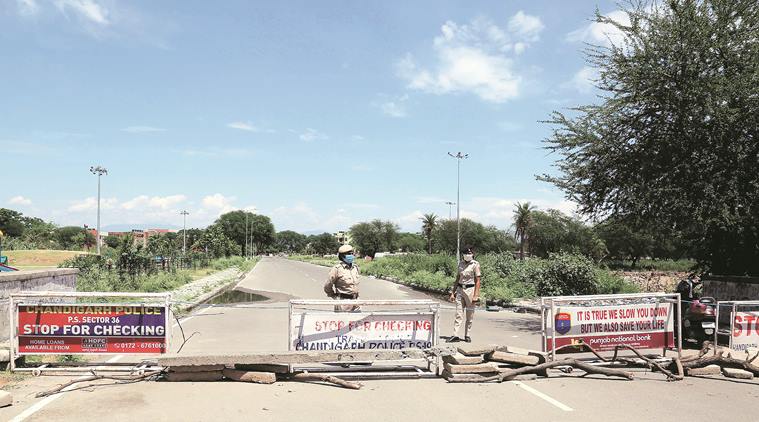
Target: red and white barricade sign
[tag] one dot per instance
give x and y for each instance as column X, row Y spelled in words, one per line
column 642, row 321
column 744, row 323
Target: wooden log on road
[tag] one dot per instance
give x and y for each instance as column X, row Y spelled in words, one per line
column 250, row 376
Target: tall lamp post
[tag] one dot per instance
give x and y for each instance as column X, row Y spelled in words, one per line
column 450, row 205
column 184, row 233
column 98, row 171
column 458, row 156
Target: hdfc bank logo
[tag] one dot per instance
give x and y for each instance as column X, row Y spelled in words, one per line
column 563, row 322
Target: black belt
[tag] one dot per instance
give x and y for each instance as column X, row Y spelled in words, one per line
column 467, row 285
column 347, row 296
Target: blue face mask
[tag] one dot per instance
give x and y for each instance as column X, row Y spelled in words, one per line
column 348, row 259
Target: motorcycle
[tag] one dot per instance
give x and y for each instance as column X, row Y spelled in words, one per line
column 699, row 319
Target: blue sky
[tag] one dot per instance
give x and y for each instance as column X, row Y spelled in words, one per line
column 318, row 114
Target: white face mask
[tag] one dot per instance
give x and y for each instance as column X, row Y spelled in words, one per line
column 468, row 257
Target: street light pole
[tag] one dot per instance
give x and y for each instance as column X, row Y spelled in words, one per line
column 450, row 205
column 458, row 156
column 184, row 232
column 98, row 171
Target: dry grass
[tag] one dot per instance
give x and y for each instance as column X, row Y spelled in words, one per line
column 38, row 258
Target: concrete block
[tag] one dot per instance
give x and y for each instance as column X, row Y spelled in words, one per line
column 197, row 368
column 542, row 357
column 525, row 377
column 482, row 368
column 737, row 373
column 706, row 370
column 459, row 359
column 513, row 358
column 291, row 358
column 475, row 349
column 194, row 376
column 6, row 399
column 250, row 376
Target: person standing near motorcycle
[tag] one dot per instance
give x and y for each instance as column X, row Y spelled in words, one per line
column 466, row 292
column 686, row 286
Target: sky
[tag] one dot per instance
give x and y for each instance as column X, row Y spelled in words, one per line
column 317, row 114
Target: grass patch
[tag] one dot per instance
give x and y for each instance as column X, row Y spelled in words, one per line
column 39, row 258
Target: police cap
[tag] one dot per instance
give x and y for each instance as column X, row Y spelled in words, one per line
column 345, row 249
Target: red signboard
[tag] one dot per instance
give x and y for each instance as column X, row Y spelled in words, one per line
column 643, row 326
column 74, row 328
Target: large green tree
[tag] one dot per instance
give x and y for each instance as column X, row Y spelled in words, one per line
column 483, row 239
column 672, row 143
column 260, row 230
column 322, row 244
column 290, row 241
column 374, row 236
column 522, row 222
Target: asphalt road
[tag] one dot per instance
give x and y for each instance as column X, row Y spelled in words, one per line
column 262, row 326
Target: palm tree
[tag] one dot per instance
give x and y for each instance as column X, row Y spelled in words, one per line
column 522, row 222
column 429, row 222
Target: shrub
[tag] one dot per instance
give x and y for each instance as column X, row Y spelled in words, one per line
column 567, row 274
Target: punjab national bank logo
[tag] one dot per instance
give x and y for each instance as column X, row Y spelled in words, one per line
column 563, row 322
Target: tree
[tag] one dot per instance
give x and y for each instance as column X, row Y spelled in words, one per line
column 74, row 237
column 216, row 244
column 374, row 236
column 483, row 239
column 522, row 221
column 11, row 222
column 290, row 241
column 553, row 231
column 411, row 242
column 112, row 241
column 673, row 143
column 624, row 242
column 260, row 229
column 323, row 244
column 429, row 222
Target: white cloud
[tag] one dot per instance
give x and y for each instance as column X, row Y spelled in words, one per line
column 310, row 135
column 602, row 33
column 526, row 26
column 155, row 202
column 474, row 58
column 410, row 222
column 89, row 10
column 20, row 200
column 27, row 7
column 142, row 129
column 219, row 202
column 394, row 107
column 584, row 80
column 243, row 126
column 91, row 204
column 430, row 200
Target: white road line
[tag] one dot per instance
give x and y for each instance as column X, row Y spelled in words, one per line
column 192, row 316
column 44, row 402
column 36, row 407
column 545, row 397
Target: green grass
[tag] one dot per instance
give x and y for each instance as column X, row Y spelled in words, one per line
column 38, row 258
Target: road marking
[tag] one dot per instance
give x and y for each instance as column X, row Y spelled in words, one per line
column 36, row 407
column 44, row 402
column 191, row 316
column 545, row 397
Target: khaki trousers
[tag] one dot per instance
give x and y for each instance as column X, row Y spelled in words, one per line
column 464, row 308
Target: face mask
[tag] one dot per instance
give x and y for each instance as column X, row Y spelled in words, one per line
column 348, row 259
column 468, row 257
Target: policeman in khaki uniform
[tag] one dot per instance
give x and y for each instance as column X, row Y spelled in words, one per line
column 342, row 282
column 466, row 292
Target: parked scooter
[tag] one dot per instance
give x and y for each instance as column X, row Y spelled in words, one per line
column 699, row 320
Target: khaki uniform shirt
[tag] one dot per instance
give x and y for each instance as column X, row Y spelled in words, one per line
column 342, row 280
column 468, row 271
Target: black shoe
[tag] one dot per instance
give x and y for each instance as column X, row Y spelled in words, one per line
column 468, row 339
column 453, row 339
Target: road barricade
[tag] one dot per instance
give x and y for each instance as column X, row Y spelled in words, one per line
column 643, row 321
column 744, row 323
column 56, row 323
column 379, row 324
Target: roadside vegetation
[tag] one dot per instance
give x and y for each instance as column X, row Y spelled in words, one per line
column 504, row 277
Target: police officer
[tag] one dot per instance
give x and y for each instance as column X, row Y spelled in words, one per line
column 342, row 282
column 466, row 292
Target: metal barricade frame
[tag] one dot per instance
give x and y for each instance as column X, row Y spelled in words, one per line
column 733, row 305
column 433, row 307
column 548, row 306
column 15, row 301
